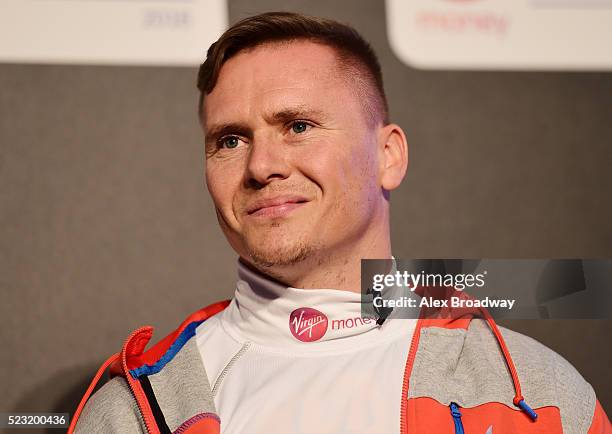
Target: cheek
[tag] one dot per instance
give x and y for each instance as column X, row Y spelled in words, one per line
column 221, row 186
column 326, row 167
column 346, row 174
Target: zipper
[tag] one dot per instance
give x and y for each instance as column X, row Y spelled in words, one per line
column 148, row 420
column 518, row 399
column 407, row 371
column 146, row 415
column 456, row 414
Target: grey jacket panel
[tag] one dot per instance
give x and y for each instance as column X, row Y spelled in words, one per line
column 112, row 409
column 545, row 370
column 451, row 365
column 181, row 389
column 467, row 367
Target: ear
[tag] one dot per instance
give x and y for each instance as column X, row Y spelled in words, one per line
column 393, row 149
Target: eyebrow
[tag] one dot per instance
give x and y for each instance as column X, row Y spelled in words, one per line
column 280, row 117
column 218, row 131
column 298, row 112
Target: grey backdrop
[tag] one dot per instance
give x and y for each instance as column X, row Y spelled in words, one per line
column 106, row 225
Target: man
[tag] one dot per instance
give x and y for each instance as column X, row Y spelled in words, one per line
column 300, row 163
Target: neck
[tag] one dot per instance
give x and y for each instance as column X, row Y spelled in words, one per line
column 337, row 267
column 272, row 315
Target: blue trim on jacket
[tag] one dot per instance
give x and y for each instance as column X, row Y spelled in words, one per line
column 176, row 346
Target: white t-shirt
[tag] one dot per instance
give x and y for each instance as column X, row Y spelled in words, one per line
column 285, row 360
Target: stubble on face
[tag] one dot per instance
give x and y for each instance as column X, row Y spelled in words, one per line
column 334, row 178
column 288, row 255
column 282, row 242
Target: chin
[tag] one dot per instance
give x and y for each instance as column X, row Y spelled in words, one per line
column 278, row 250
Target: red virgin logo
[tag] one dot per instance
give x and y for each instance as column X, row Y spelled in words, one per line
column 307, row 324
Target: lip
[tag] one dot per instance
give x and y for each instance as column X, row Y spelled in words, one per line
column 276, row 207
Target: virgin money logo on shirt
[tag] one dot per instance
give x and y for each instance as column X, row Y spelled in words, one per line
column 307, row 324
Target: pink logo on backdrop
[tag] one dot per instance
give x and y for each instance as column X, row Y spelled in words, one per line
column 307, row 324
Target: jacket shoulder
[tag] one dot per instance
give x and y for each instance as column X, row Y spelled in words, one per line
column 548, row 378
column 112, row 409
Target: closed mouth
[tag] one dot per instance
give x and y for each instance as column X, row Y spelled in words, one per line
column 278, row 203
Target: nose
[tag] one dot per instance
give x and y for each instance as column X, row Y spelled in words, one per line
column 266, row 163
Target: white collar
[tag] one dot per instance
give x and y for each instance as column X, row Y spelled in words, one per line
column 270, row 314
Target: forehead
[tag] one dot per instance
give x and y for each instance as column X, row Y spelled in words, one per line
column 274, row 75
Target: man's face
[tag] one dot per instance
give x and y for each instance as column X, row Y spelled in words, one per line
column 291, row 159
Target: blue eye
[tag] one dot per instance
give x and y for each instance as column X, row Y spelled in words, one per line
column 299, row 127
column 229, row 142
